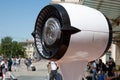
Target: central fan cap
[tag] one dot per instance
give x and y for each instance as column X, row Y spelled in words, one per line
column 51, row 31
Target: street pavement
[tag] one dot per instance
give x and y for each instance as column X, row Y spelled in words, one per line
column 40, row 74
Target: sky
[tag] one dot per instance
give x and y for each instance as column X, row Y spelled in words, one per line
column 18, row 17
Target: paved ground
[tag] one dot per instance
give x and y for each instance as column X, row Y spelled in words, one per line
column 39, row 74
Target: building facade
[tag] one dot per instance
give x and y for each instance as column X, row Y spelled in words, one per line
column 29, row 48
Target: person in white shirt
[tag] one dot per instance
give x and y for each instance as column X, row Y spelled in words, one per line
column 4, row 66
column 17, row 63
column 52, row 69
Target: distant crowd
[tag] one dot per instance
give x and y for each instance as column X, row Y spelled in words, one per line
column 12, row 64
column 97, row 70
column 6, row 65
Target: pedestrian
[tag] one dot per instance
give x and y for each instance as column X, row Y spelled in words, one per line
column 88, row 72
column 111, row 66
column 4, row 66
column 49, row 70
column 14, row 64
column 52, row 69
column 9, row 64
column 94, row 70
column 28, row 63
column 101, row 70
column 17, row 63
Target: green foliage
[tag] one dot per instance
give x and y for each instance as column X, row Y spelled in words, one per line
column 10, row 48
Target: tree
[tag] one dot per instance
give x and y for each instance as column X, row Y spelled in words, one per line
column 18, row 49
column 6, row 45
column 10, row 48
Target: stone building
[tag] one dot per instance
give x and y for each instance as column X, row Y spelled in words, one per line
column 30, row 48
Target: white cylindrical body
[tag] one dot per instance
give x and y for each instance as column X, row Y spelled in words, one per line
column 88, row 44
column 72, row 35
column 91, row 42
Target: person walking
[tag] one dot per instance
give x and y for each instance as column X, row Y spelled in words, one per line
column 17, row 63
column 28, row 63
column 52, row 69
column 9, row 64
column 4, row 66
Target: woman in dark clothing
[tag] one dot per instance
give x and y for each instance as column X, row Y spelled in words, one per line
column 9, row 64
column 0, row 71
column 111, row 66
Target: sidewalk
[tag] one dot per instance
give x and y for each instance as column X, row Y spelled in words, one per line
column 40, row 74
